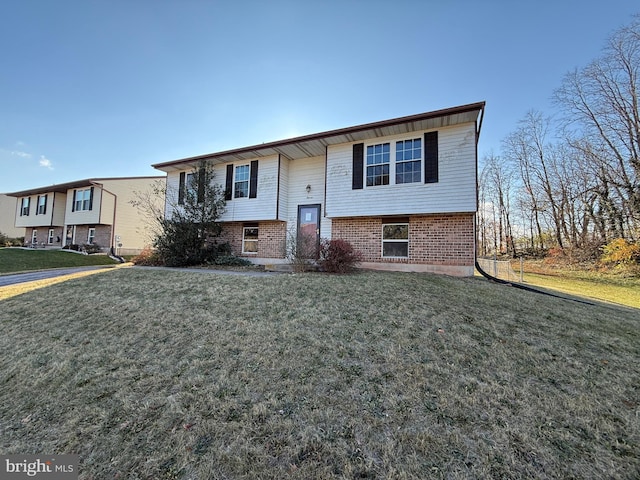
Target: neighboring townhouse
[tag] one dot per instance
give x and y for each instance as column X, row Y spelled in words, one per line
column 8, row 216
column 402, row 191
column 94, row 211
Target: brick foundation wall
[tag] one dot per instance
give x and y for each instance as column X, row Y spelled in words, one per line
column 439, row 240
column 271, row 238
column 43, row 235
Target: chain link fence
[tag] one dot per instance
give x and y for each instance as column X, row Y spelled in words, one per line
column 500, row 269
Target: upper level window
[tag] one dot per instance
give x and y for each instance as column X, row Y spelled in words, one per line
column 24, row 209
column 378, row 157
column 42, row 205
column 241, row 184
column 83, row 199
column 408, row 160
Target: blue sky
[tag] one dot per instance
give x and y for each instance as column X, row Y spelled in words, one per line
column 106, row 88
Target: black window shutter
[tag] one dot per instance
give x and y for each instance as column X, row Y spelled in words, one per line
column 73, row 204
column 37, row 204
column 228, row 188
column 431, row 157
column 253, row 179
column 358, row 166
column 91, row 199
column 44, row 212
column 29, row 206
column 201, row 180
column 181, row 188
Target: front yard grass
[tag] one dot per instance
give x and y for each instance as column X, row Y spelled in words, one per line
column 13, row 260
column 157, row 374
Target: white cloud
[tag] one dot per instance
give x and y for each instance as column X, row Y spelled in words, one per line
column 20, row 154
column 45, row 162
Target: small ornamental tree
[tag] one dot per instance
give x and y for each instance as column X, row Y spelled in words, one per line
column 338, row 256
column 188, row 234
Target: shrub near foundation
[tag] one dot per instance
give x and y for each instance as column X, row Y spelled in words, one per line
column 338, row 256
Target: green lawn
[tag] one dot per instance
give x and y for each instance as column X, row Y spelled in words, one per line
column 14, row 260
column 158, row 374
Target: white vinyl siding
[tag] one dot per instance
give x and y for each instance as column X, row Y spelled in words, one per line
column 454, row 192
column 303, row 172
column 264, row 206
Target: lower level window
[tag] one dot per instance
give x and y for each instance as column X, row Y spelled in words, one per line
column 92, row 235
column 250, row 240
column 50, row 236
column 34, row 236
column 395, row 240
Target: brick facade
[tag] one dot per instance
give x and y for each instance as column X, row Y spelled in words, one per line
column 442, row 242
column 271, row 238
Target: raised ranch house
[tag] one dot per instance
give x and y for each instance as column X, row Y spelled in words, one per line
column 90, row 211
column 402, row 191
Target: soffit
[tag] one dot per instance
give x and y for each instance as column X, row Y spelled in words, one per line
column 315, row 145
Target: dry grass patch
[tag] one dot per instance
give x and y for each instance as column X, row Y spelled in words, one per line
column 154, row 374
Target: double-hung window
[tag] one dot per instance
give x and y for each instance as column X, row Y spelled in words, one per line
column 50, row 236
column 250, row 240
column 34, row 236
column 378, row 157
column 91, row 235
column 24, row 208
column 408, row 160
column 42, row 205
column 395, row 240
column 82, row 200
column 241, row 183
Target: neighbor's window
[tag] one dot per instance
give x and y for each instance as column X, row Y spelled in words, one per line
column 395, row 240
column 24, row 210
column 91, row 236
column 50, row 236
column 83, row 199
column 250, row 240
column 241, row 185
column 42, row 205
column 378, row 158
column 408, row 160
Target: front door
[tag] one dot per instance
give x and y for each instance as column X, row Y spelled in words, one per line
column 308, row 240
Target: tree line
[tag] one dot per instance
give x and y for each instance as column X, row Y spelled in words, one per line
column 572, row 180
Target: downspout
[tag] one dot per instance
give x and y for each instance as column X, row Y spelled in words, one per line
column 486, row 275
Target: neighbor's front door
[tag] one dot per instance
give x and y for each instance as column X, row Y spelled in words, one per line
column 308, row 230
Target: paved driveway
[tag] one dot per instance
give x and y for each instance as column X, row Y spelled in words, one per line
column 59, row 272
column 40, row 275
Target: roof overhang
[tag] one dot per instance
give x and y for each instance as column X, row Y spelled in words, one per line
column 64, row 187
column 315, row 144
